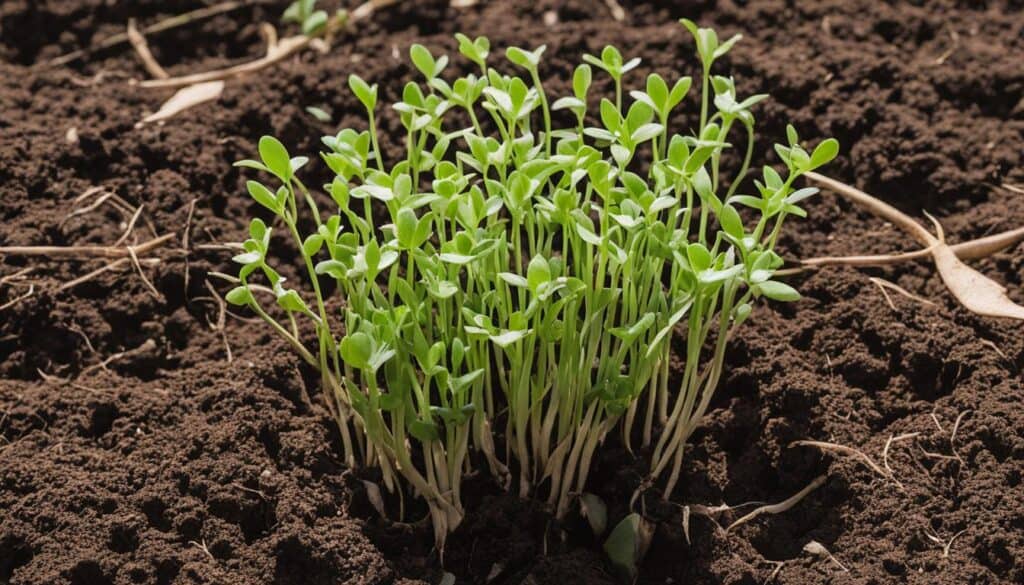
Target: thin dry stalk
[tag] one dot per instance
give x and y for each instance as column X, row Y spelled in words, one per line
column 782, row 506
column 81, row 252
column 616, row 10
column 775, row 572
column 885, row 284
column 147, row 347
column 138, row 42
column 219, row 325
column 282, row 50
column 844, row 450
column 946, row 545
column 885, row 454
column 970, row 250
column 975, row 291
column 131, row 226
column 276, row 52
column 92, row 206
column 202, row 546
column 186, row 235
column 952, row 435
column 17, row 276
column 18, row 299
column 115, row 265
column 366, row 9
column 163, row 25
column 955, row 38
column 142, row 274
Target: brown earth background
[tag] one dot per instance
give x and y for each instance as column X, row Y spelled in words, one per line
column 172, row 465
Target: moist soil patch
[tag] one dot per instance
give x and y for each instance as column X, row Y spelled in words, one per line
column 172, row 463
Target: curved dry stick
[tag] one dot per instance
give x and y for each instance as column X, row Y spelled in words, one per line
column 172, row 22
column 86, row 251
column 282, row 50
column 843, row 449
column 975, row 291
column 275, row 52
column 142, row 49
column 879, row 207
column 781, row 506
column 969, row 250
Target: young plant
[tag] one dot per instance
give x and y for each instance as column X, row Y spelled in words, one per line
column 520, row 275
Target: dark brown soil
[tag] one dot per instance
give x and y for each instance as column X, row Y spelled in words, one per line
column 170, row 465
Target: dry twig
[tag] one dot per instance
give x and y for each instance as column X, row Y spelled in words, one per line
column 946, row 545
column 781, row 506
column 616, row 10
column 148, row 346
column 83, row 252
column 885, row 284
column 141, row 47
column 163, row 25
column 975, row 291
column 276, row 52
column 844, row 450
column 18, row 299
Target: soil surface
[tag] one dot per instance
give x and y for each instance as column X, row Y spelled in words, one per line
column 134, row 448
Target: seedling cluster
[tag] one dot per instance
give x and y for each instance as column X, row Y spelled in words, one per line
column 517, row 277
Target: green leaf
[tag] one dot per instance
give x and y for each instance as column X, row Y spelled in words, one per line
column 699, row 257
column 628, row 543
column 312, row 245
column 791, row 135
column 581, row 79
column 657, row 89
column 252, row 164
column 357, row 349
column 667, row 329
column 679, row 91
column 423, row 60
column 240, row 295
column 366, row 94
column 631, row 333
column 507, row 338
column 425, row 431
column 289, row 300
column 263, row 196
column 475, row 50
column 646, row 132
column 824, row 152
column 778, row 291
column 568, row 103
column 314, row 23
column 731, row 222
column 525, row 59
column 275, row 157
column 514, row 279
column 537, row 273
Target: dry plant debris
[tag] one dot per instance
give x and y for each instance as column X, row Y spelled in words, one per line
column 975, row 291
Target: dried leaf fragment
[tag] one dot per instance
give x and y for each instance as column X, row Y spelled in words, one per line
column 186, row 98
column 974, row 290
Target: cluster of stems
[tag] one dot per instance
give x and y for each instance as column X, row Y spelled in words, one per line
column 510, row 290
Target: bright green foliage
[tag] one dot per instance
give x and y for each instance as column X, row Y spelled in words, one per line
column 305, row 14
column 521, row 276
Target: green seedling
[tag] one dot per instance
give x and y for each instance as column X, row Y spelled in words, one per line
column 517, row 277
